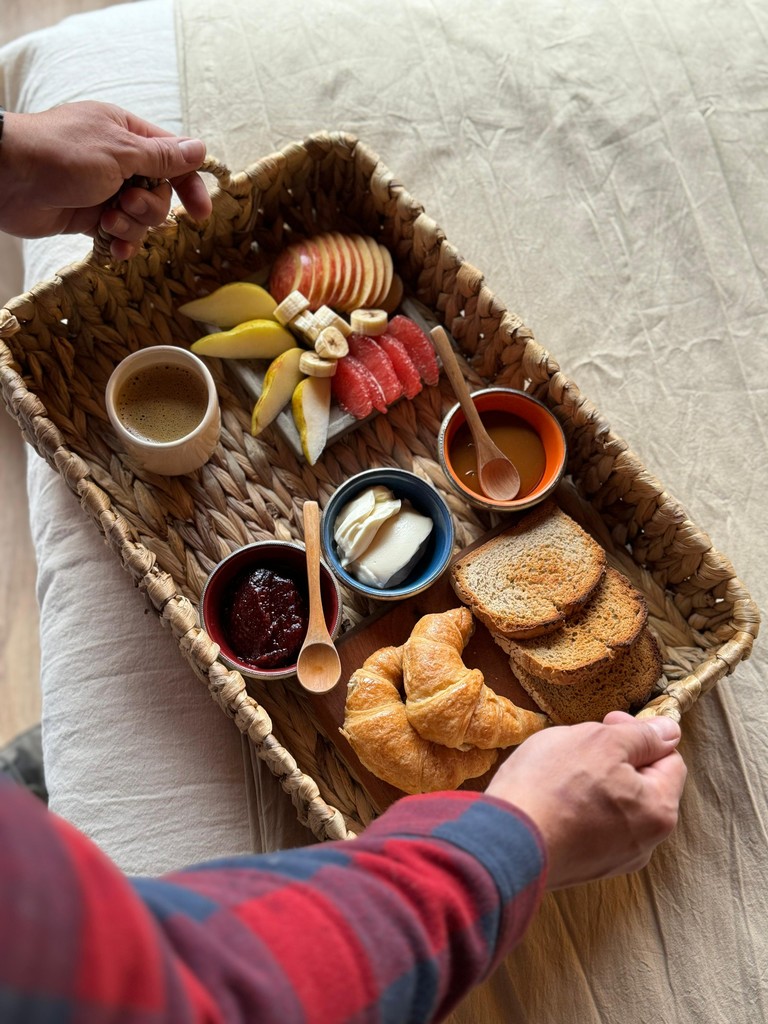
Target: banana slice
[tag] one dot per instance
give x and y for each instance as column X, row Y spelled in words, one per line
column 331, row 343
column 306, row 325
column 328, row 317
column 290, row 307
column 315, row 366
column 370, row 322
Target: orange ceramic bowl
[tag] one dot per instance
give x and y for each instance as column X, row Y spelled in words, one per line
column 501, row 409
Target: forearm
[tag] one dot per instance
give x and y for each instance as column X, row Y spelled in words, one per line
column 407, row 912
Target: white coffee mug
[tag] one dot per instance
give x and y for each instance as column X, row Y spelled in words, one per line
column 163, row 406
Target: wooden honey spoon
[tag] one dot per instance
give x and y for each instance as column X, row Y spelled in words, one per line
column 496, row 473
column 318, row 667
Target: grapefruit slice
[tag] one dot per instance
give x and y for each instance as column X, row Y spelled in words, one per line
column 378, row 362
column 403, row 365
column 355, row 389
column 419, row 347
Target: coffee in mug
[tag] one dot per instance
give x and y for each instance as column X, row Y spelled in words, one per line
column 161, row 403
column 163, row 406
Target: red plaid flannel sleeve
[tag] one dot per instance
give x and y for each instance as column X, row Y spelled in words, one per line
column 395, row 925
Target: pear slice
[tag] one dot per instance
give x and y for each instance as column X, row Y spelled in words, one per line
column 311, row 407
column 255, row 339
column 280, row 380
column 231, row 304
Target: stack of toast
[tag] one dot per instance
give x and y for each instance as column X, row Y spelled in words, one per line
column 575, row 629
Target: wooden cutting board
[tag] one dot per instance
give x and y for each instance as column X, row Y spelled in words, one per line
column 391, row 626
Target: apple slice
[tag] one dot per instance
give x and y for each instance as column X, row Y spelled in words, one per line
column 336, row 246
column 394, row 296
column 389, row 273
column 346, row 300
column 377, row 272
column 361, row 297
column 326, row 273
column 308, row 259
column 285, row 274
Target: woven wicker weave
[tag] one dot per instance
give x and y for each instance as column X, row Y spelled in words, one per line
column 63, row 338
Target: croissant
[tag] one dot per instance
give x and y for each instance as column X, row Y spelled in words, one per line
column 448, row 703
column 376, row 726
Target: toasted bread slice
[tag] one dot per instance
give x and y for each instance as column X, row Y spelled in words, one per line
column 526, row 581
column 624, row 684
column 610, row 621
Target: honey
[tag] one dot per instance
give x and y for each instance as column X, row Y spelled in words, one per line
column 516, row 438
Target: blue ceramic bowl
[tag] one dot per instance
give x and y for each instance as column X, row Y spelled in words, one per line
column 424, row 499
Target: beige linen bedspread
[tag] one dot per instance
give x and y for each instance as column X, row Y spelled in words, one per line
column 605, row 165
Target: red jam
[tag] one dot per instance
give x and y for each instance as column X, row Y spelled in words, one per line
column 265, row 619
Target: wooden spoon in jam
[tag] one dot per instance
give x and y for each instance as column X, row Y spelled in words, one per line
column 318, row 668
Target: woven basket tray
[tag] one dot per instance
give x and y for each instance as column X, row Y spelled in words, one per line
column 63, row 339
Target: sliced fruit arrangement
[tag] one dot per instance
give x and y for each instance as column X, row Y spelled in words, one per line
column 315, row 355
column 344, row 272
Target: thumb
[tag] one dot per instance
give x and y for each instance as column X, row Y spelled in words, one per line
column 648, row 740
column 167, row 156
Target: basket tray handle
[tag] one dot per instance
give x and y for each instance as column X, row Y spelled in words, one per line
column 103, row 240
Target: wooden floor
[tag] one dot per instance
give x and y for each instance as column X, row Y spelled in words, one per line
column 19, row 650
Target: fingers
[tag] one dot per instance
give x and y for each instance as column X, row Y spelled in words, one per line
column 644, row 740
column 146, row 208
column 137, row 210
column 120, row 250
column 162, row 156
column 194, row 196
column 667, row 775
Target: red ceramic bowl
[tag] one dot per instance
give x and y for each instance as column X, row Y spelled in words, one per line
column 499, row 406
column 284, row 558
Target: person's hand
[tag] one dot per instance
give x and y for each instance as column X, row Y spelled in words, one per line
column 603, row 795
column 58, row 168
